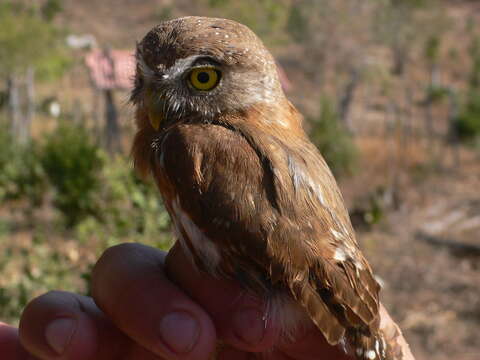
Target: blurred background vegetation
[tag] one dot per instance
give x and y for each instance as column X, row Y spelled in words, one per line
column 390, row 91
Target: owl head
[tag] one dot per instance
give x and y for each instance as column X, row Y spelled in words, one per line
column 199, row 68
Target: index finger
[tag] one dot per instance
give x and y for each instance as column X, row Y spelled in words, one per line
column 10, row 346
column 130, row 287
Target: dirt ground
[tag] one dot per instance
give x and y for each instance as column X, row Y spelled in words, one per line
column 431, row 288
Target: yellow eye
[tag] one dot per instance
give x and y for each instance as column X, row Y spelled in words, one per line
column 204, row 78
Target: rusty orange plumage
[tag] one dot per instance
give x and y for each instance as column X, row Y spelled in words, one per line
column 250, row 197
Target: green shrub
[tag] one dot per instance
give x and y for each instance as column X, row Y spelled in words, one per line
column 368, row 209
column 436, row 94
column 72, row 163
column 21, row 176
column 102, row 203
column 333, row 140
column 467, row 124
column 51, row 8
column 131, row 207
column 29, row 40
column 297, row 24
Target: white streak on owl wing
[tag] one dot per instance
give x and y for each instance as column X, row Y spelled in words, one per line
column 206, row 250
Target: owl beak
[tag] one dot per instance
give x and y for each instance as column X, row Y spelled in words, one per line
column 155, row 118
column 155, row 109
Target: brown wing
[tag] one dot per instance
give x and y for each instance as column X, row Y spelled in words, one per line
column 276, row 217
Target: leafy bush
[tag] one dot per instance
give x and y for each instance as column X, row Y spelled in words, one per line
column 297, row 24
column 467, row 124
column 101, row 200
column 131, row 209
column 435, row 94
column 51, row 8
column 72, row 163
column 28, row 40
column 369, row 209
column 90, row 190
column 21, row 176
column 333, row 140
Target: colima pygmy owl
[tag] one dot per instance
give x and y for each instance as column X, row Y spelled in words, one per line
column 250, row 197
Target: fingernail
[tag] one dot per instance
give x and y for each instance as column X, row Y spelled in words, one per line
column 59, row 333
column 179, row 331
column 249, row 326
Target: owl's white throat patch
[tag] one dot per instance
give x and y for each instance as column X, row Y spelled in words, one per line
column 203, row 246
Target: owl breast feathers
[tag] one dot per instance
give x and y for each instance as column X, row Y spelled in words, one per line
column 250, row 197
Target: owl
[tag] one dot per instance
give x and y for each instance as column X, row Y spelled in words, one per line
column 250, row 197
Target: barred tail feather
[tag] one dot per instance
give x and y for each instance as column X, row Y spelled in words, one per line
column 364, row 347
column 384, row 345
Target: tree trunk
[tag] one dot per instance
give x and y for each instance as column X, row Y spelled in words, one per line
column 434, row 75
column 431, row 131
column 347, row 99
column 399, row 61
column 97, row 111
column 14, row 104
column 112, row 129
column 452, row 137
column 25, row 131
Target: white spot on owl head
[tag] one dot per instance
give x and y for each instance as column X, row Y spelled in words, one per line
column 370, row 354
column 340, row 254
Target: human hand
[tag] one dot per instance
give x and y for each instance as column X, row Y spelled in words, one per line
column 139, row 313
